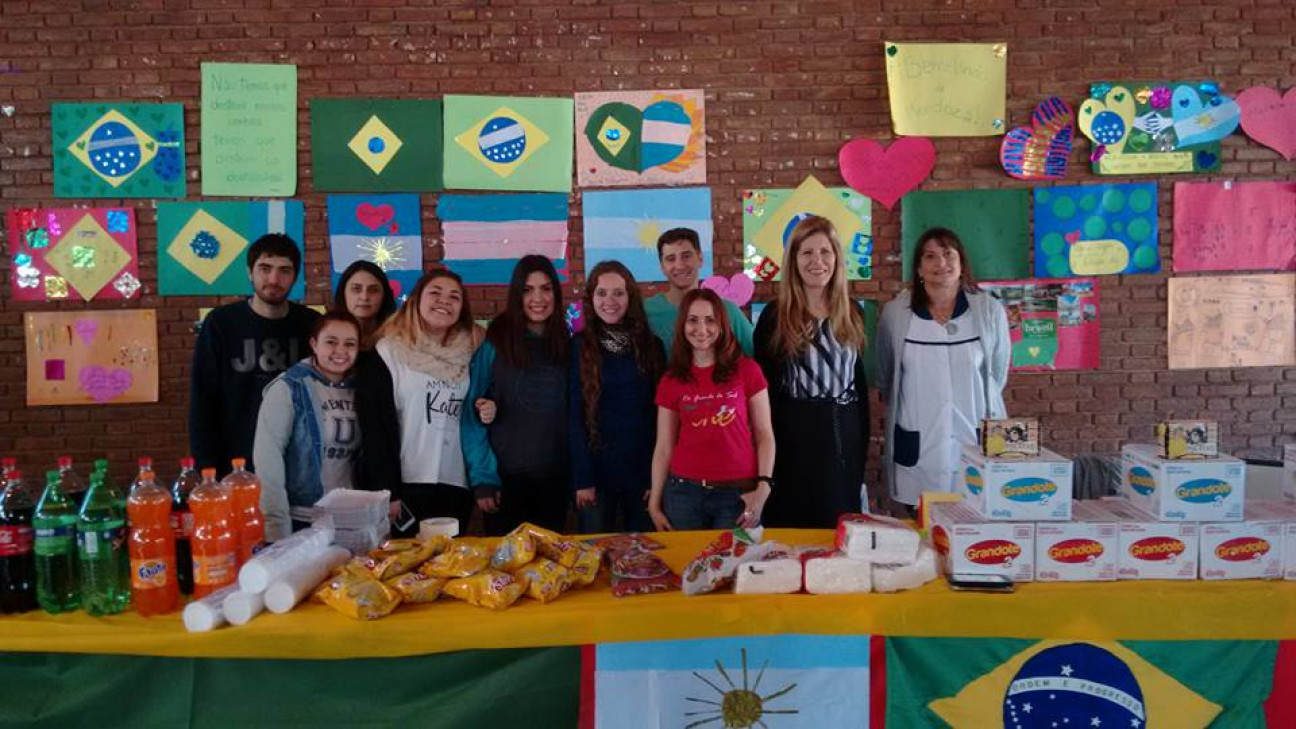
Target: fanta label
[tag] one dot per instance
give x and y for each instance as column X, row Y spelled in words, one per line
column 1075, row 551
column 1028, row 490
column 215, row 569
column 1156, row 549
column 973, row 480
column 1203, row 491
column 1141, row 481
column 148, row 574
column 993, row 552
column 1242, row 549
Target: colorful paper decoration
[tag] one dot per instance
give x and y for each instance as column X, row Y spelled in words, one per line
column 1090, row 230
column 947, row 89
column 249, row 129
column 770, row 215
column 1143, row 128
column 994, row 226
column 1234, row 226
column 1040, row 151
column 1232, row 321
column 91, row 357
column 1053, row 323
column 640, row 138
column 1270, row 118
column 375, row 145
column 738, row 288
column 118, row 150
column 57, row 252
column 202, row 246
column 508, row 143
column 383, row 229
column 886, row 175
column 624, row 225
column 485, row 235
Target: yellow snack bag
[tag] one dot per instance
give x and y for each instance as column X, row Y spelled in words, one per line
column 585, row 566
column 398, row 556
column 515, row 550
column 416, row 587
column 462, row 558
column 359, row 595
column 546, row 579
column 490, row 589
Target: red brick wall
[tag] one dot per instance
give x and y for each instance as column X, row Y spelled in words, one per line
column 787, row 83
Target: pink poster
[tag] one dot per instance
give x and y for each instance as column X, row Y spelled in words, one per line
column 1053, row 323
column 59, row 253
column 1234, row 226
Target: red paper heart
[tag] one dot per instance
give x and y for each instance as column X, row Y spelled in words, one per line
column 885, row 175
column 374, row 217
column 1073, row 237
column 1270, row 119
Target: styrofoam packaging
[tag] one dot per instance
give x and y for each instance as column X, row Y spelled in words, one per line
column 1241, row 550
column 898, row 577
column 1034, row 488
column 267, row 565
column 1082, row 550
column 837, row 575
column 876, row 539
column 1289, row 471
column 1151, row 549
column 768, row 577
column 293, row 586
column 968, row 543
column 1211, row 489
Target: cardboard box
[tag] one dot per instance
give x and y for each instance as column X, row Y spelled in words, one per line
column 1177, row 439
column 1037, row 488
column 1082, row 550
column 1289, row 471
column 1011, row 437
column 1208, row 490
column 1243, row 550
column 970, row 544
column 1150, row 549
column 1285, row 512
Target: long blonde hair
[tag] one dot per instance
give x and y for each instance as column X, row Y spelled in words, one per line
column 795, row 328
column 407, row 324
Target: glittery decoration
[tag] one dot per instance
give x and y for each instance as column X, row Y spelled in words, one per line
column 37, row 238
column 1143, row 95
column 126, row 285
column 26, row 218
column 205, row 245
column 1000, row 50
column 56, row 287
column 28, row 277
column 1209, row 88
column 1161, row 97
column 22, row 259
column 118, row 221
column 997, row 123
column 1099, row 91
column 55, row 229
column 83, row 257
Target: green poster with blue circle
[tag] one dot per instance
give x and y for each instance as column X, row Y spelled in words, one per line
column 1091, row 230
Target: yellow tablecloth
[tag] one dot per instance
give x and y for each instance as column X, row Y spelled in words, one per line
column 1153, row 610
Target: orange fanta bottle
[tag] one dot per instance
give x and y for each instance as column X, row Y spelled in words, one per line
column 215, row 545
column 155, row 588
column 244, row 489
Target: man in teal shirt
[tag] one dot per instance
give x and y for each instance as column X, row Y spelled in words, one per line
column 679, row 251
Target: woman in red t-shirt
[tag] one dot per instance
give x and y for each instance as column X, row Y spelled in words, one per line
column 715, row 444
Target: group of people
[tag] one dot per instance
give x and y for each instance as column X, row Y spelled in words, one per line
column 669, row 412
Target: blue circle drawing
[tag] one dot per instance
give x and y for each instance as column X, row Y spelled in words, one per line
column 792, row 223
column 205, row 245
column 1108, row 128
column 377, row 145
column 1077, row 685
column 612, row 135
column 114, row 150
column 502, row 140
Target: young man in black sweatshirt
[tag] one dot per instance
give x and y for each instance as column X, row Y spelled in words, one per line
column 241, row 348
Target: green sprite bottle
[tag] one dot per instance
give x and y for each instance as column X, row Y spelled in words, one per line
column 101, row 549
column 57, row 586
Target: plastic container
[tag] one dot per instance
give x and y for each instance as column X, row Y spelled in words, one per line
column 58, row 589
column 17, row 561
column 101, row 550
column 244, row 489
column 182, row 524
column 360, row 541
column 155, row 588
column 215, row 545
column 354, row 509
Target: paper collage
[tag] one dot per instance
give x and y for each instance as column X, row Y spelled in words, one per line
column 994, row 226
column 770, row 215
column 383, row 229
column 485, row 235
column 1091, row 230
column 375, row 145
column 1140, row 128
column 249, row 130
column 91, row 357
column 118, row 150
column 1234, row 226
column 1052, row 323
column 640, row 138
column 1232, row 321
column 507, row 143
column 202, row 246
column 1042, row 150
column 947, row 89
column 625, row 225
column 61, row 253
column 1270, row 118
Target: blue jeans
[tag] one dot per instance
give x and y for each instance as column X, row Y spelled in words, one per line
column 601, row 518
column 688, row 506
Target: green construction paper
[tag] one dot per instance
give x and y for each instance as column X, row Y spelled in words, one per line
column 226, row 228
column 249, row 129
column 152, row 161
column 536, row 156
column 994, row 226
column 414, row 166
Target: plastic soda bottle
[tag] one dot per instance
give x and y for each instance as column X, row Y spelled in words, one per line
column 244, row 489
column 101, row 549
column 145, row 466
column 17, row 562
column 215, row 545
column 154, row 585
column 69, row 483
column 58, row 588
column 101, row 470
column 182, row 523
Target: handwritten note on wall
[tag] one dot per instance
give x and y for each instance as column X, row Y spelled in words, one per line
column 249, row 129
column 1232, row 321
column 1234, row 226
column 947, row 89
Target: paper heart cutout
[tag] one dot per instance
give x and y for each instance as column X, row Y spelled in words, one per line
column 1107, row 122
column 86, row 329
column 1040, row 151
column 1202, row 123
column 1072, row 237
column 103, row 384
column 885, row 175
column 1034, row 351
column 1270, row 118
column 374, row 217
column 737, row 288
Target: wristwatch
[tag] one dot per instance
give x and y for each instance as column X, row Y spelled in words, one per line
column 767, row 479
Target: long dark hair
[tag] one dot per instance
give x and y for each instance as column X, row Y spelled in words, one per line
column 507, row 331
column 647, row 351
column 388, row 306
column 407, row 324
column 726, row 345
column 945, row 238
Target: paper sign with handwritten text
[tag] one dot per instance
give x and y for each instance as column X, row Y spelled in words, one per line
column 947, row 89
column 249, row 129
column 1236, row 226
column 1232, row 321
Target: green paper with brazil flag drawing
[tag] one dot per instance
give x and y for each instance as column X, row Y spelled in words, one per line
column 118, row 150
column 508, row 143
column 375, row 145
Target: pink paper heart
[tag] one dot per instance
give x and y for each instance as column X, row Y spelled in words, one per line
column 374, row 217
column 1073, row 236
column 737, row 288
column 86, row 329
column 1270, row 119
column 887, row 174
column 103, row 384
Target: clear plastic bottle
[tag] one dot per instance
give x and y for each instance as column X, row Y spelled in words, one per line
column 17, row 561
column 182, row 523
column 145, row 466
column 101, row 550
column 244, row 489
column 215, row 544
column 58, row 588
column 69, row 483
column 154, row 587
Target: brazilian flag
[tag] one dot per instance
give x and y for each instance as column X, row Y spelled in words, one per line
column 376, row 145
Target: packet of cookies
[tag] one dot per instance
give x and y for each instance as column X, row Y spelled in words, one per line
column 489, row 589
column 461, row 559
column 358, row 595
column 585, row 564
column 416, row 587
column 640, row 572
column 397, row 556
column 514, row 551
column 546, row 579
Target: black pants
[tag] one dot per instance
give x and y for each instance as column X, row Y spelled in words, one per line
column 542, row 501
column 426, row 500
column 819, row 467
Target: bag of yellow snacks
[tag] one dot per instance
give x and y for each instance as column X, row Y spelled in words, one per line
column 416, row 587
column 462, row 558
column 397, row 556
column 585, row 565
column 546, row 579
column 517, row 549
column 490, row 589
column 358, row 595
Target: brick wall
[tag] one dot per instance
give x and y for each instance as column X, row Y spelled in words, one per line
column 787, row 83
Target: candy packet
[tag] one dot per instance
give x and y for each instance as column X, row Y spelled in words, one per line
column 358, row 595
column 637, row 571
column 397, row 556
column 416, row 587
column 546, row 579
column 462, row 558
column 489, row 589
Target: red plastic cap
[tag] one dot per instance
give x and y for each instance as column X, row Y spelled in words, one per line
column 8, row 462
column 65, row 462
column 15, row 474
column 187, row 462
column 145, row 462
